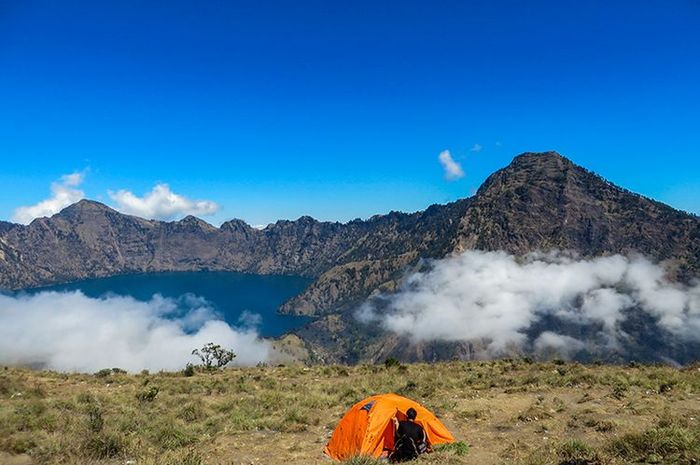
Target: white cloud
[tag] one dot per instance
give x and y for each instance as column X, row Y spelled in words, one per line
column 453, row 170
column 68, row 331
column 557, row 344
column 161, row 203
column 498, row 298
column 476, row 148
column 64, row 192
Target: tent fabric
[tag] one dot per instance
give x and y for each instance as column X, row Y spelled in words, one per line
column 367, row 428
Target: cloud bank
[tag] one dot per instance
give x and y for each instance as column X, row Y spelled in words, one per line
column 497, row 298
column 452, row 169
column 68, row 331
column 64, row 192
column 161, row 203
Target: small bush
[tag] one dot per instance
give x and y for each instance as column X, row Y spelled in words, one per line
column 577, row 452
column 148, row 395
column 103, row 373
column 191, row 412
column 605, row 426
column 213, row 356
column 456, row 448
column 391, row 362
column 103, row 446
column 674, row 443
column 86, row 398
column 95, row 420
column 189, row 370
column 169, row 436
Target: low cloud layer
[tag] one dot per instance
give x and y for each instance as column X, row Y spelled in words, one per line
column 64, row 192
column 496, row 298
column 452, row 169
column 161, row 203
column 68, row 331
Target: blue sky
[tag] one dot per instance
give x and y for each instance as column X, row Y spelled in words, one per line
column 340, row 109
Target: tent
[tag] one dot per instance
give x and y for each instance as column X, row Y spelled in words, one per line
column 367, row 428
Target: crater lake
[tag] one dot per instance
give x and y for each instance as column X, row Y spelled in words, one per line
column 235, row 297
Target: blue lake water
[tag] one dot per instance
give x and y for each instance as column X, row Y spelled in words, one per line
column 230, row 294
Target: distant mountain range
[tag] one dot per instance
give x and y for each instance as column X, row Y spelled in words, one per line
column 541, row 201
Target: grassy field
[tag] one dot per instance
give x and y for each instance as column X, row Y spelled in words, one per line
column 506, row 411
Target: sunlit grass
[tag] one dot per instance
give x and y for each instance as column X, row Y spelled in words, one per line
column 172, row 418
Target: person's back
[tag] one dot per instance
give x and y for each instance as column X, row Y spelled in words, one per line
column 410, row 439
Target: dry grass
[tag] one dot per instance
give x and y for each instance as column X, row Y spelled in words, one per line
column 506, row 411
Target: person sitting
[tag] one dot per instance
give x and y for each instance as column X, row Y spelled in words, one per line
column 410, row 439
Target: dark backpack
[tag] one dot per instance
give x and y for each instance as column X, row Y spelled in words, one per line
column 404, row 449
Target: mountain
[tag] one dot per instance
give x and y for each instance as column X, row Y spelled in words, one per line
column 541, row 201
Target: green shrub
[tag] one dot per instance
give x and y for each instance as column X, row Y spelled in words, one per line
column 148, row 395
column 169, row 436
column 191, row 412
column 86, row 398
column 95, row 420
column 213, row 356
column 674, row 443
column 577, row 452
column 456, row 448
column 189, row 370
column 391, row 362
column 103, row 446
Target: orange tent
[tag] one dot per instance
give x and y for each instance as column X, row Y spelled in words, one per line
column 367, row 428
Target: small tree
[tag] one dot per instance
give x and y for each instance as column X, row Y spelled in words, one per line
column 214, row 356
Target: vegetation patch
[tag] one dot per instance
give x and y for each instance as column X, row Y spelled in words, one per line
column 284, row 415
column 458, row 448
column 667, row 443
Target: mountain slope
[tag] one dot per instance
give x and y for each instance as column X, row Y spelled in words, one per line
column 543, row 201
column 540, row 202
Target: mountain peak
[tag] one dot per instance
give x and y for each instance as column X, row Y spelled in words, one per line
column 84, row 206
column 531, row 169
column 539, row 155
column 193, row 221
column 540, row 160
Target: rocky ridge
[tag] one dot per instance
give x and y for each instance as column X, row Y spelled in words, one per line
column 541, row 201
